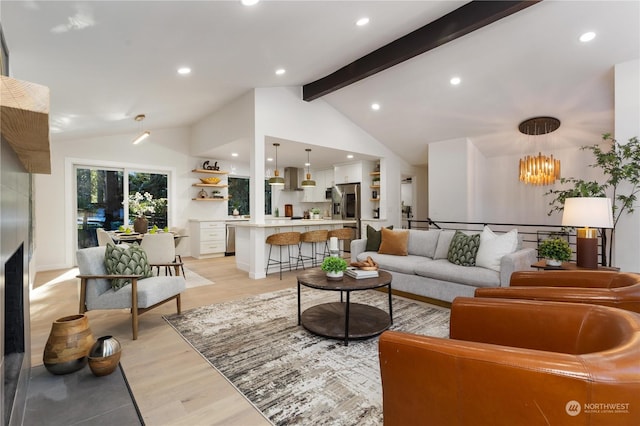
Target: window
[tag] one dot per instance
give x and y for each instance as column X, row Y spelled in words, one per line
column 239, row 195
column 100, row 200
column 148, row 197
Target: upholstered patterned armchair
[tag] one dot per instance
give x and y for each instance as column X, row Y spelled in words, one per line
column 141, row 295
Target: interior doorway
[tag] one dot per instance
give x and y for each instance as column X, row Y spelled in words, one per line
column 407, row 199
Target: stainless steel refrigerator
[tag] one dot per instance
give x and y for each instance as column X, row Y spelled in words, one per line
column 346, row 206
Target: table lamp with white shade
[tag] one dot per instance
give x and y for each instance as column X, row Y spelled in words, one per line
column 587, row 214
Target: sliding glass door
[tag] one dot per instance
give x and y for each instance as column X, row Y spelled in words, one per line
column 101, row 201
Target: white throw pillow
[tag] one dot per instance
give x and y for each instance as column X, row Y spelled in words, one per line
column 493, row 247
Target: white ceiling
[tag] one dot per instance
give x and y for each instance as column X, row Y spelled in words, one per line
column 107, row 61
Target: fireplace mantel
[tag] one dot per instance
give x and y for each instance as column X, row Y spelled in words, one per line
column 25, row 122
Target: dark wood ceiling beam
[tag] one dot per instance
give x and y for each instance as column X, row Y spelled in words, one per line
column 462, row 21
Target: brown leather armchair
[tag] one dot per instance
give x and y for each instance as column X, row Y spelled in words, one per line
column 516, row 362
column 617, row 289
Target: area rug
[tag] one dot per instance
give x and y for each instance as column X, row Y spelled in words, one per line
column 194, row 280
column 291, row 375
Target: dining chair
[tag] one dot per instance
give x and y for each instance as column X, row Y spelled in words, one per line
column 181, row 244
column 103, row 237
column 160, row 249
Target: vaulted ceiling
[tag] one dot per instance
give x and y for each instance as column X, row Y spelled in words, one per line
column 106, row 62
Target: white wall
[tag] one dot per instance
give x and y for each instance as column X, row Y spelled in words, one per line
column 477, row 181
column 233, row 122
column 466, row 186
column 627, row 125
column 449, row 189
column 507, row 200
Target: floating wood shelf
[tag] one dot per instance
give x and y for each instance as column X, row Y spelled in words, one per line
column 374, row 186
column 374, row 174
column 214, row 172
column 214, row 185
column 210, row 199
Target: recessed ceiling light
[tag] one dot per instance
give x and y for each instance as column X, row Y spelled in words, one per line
column 455, row 81
column 234, row 154
column 280, row 71
column 350, row 156
column 362, row 21
column 249, row 2
column 375, row 107
column 184, row 70
column 587, row 36
column 269, row 159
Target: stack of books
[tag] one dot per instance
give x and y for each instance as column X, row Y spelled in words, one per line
column 360, row 274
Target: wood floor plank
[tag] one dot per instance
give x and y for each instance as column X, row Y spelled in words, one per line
column 172, row 383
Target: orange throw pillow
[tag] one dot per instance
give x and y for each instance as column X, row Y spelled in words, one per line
column 394, row 242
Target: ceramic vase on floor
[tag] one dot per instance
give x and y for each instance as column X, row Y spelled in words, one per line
column 104, row 356
column 68, row 344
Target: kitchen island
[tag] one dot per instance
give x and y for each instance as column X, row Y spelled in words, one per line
column 251, row 250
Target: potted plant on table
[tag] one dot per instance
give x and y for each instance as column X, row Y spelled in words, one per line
column 334, row 267
column 555, row 251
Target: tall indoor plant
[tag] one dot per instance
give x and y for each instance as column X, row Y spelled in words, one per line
column 620, row 165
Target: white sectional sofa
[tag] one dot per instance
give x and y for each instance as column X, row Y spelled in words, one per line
column 426, row 271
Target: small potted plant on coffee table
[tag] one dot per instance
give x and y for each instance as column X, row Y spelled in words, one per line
column 334, row 267
column 555, row 251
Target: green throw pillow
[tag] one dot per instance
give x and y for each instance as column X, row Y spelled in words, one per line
column 374, row 238
column 463, row 249
column 125, row 260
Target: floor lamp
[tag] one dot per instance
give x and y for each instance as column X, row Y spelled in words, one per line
column 587, row 214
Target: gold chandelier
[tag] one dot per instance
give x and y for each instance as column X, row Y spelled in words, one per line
column 540, row 169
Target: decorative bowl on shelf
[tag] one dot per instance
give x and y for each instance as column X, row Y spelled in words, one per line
column 210, row 180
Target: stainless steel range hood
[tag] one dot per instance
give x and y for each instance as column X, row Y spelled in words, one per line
column 292, row 179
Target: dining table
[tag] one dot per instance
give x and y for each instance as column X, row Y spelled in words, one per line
column 132, row 237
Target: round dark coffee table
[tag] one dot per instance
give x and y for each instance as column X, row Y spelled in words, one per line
column 344, row 320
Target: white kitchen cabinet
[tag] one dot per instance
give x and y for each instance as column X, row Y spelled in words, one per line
column 207, row 239
column 319, row 178
column 308, row 194
column 324, row 180
column 348, row 173
column 328, row 184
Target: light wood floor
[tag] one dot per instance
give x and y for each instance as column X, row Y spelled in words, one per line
column 172, row 383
